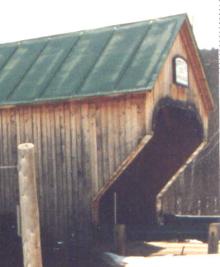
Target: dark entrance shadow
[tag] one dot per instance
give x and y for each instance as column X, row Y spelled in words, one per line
column 177, row 133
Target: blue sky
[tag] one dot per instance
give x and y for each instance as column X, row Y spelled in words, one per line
column 25, row 19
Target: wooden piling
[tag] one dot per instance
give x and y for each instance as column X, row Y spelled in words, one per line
column 120, row 239
column 18, row 216
column 30, row 228
column 214, row 237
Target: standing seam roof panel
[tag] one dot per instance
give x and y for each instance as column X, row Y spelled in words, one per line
column 108, row 70
column 17, row 66
column 78, row 64
column 44, row 68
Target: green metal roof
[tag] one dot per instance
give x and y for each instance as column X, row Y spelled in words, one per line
column 112, row 60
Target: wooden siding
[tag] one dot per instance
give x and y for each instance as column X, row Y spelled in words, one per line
column 83, row 146
column 79, row 146
column 164, row 86
column 169, row 199
column 8, row 157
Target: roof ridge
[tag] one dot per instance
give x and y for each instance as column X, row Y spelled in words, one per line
column 90, row 30
column 150, row 19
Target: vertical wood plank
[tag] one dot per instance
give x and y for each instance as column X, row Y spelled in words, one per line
column 149, row 104
column 13, row 157
column 85, row 183
column 63, row 177
column 74, row 136
column 7, row 162
column 59, row 159
column 134, row 126
column 4, row 160
column 115, row 122
column 128, row 121
column 104, row 125
column 80, row 173
column 99, row 138
column 141, row 117
column 110, row 159
column 93, row 148
column 69, row 185
column 122, row 139
column 44, row 162
column 49, row 109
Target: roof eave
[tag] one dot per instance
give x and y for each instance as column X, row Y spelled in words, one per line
column 74, row 98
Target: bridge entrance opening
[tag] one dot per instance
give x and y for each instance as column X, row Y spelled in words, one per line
column 131, row 199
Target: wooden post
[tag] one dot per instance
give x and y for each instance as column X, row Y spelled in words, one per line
column 120, row 239
column 115, row 207
column 18, row 220
column 30, row 228
column 214, row 237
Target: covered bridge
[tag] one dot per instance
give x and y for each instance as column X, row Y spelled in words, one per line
column 118, row 110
